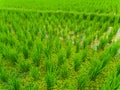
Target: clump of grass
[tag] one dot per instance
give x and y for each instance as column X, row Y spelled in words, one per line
column 36, row 56
column 103, row 42
column 95, row 69
column 113, row 50
column 32, row 86
column 112, row 82
column 25, row 51
column 50, row 80
column 43, row 33
column 50, row 65
column 35, row 73
column 57, row 44
column 47, row 51
column 10, row 54
column 82, row 81
column 23, row 64
column 77, row 62
column 3, row 74
column 61, row 57
column 64, row 70
column 68, row 49
column 14, row 83
column 77, row 43
column 13, row 55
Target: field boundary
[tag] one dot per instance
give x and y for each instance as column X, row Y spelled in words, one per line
column 58, row 11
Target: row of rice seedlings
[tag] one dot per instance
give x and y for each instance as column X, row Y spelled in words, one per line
column 112, row 82
column 100, row 63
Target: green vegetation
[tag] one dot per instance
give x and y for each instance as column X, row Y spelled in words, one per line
column 65, row 45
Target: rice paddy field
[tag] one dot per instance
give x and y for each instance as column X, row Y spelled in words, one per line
column 59, row 45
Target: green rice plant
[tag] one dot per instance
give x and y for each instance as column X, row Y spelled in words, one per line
column 95, row 69
column 43, row 33
column 3, row 74
column 77, row 61
column 47, row 51
column 71, row 86
column 87, row 41
column 105, row 60
column 50, row 80
column 13, row 55
column 118, row 69
column 50, row 65
column 113, row 50
column 68, row 49
column 14, row 83
column 36, row 56
column 77, row 43
column 25, row 51
column 23, row 64
column 35, row 73
column 112, row 82
column 57, row 44
column 10, row 54
column 82, row 82
column 32, row 86
column 50, row 33
column 103, row 42
column 64, row 71
column 61, row 57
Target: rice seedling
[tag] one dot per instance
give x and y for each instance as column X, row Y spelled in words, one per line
column 112, row 82
column 23, row 64
column 32, row 86
column 13, row 55
column 77, row 43
column 57, row 44
column 14, row 83
column 35, row 73
column 82, row 81
column 77, row 62
column 61, row 57
column 10, row 54
column 36, row 56
column 68, row 50
column 50, row 80
column 64, row 71
column 50, row 65
column 25, row 51
column 102, row 43
column 95, row 69
column 3, row 74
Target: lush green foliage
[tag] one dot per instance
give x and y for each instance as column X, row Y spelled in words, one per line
column 50, row 50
